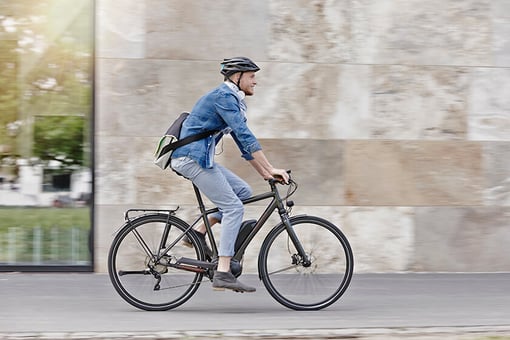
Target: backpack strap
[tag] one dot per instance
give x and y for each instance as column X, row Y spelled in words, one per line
column 187, row 140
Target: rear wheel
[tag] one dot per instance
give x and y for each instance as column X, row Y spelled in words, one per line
column 310, row 283
column 139, row 270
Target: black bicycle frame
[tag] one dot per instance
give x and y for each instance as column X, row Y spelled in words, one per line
column 276, row 203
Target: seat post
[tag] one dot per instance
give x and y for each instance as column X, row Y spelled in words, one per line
column 199, row 199
column 201, row 207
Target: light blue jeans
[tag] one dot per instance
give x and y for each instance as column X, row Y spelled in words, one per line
column 224, row 189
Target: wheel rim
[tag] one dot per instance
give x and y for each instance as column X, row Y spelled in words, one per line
column 316, row 285
column 161, row 287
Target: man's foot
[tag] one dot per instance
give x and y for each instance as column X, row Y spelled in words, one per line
column 225, row 280
column 187, row 242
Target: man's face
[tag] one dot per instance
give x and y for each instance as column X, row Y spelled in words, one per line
column 248, row 82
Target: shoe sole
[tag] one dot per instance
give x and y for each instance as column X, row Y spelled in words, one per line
column 222, row 289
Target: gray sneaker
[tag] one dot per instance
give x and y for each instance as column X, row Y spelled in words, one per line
column 225, row 280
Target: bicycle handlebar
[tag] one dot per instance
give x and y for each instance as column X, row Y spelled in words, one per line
column 279, row 179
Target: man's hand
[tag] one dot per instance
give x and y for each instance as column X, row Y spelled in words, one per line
column 281, row 175
column 266, row 170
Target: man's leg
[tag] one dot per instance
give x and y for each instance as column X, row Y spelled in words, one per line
column 213, row 184
column 240, row 188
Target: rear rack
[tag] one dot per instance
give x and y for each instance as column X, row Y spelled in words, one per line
column 166, row 211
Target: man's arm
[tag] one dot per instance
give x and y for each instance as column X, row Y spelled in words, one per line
column 265, row 169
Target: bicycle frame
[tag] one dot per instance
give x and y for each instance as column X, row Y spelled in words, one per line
column 275, row 204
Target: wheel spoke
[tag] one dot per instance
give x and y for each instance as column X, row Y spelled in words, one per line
column 309, row 283
column 137, row 270
column 282, row 270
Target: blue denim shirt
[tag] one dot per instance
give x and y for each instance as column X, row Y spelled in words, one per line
column 224, row 110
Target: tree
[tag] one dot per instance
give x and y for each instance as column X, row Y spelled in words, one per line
column 45, row 78
column 59, row 138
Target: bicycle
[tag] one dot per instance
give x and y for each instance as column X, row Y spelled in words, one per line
column 305, row 262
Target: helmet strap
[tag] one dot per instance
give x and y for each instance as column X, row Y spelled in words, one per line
column 238, row 81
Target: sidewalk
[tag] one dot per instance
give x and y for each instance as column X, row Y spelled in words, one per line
column 376, row 306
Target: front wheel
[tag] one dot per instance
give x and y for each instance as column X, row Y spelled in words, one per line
column 315, row 281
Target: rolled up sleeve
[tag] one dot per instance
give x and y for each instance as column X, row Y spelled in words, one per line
column 248, row 150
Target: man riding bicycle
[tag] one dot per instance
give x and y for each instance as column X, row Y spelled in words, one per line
column 223, row 109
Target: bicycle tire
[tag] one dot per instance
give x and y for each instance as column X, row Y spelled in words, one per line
column 127, row 256
column 295, row 285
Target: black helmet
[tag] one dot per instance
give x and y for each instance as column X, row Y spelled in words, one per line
column 229, row 66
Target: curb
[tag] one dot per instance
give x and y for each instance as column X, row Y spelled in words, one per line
column 502, row 331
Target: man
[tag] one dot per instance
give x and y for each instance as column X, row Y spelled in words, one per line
column 224, row 109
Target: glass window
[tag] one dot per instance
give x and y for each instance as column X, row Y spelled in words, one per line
column 46, row 112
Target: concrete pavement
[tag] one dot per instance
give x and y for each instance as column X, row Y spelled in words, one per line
column 382, row 306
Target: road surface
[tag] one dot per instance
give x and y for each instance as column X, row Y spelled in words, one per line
column 72, row 305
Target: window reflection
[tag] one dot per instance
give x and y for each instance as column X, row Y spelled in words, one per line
column 46, row 89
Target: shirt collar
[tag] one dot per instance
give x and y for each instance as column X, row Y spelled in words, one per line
column 234, row 88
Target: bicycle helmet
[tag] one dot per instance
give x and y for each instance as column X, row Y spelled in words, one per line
column 229, row 66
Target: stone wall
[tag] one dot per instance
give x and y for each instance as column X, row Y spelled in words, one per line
column 393, row 115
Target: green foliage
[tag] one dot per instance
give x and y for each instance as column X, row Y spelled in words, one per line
column 8, row 89
column 59, row 138
column 47, row 235
column 44, row 217
column 46, row 70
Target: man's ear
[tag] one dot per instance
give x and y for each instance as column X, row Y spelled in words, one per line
column 235, row 77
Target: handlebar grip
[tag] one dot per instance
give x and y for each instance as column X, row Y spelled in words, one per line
column 278, row 179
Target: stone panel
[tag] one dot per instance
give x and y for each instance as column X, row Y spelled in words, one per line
column 115, row 170
column 500, row 15
column 129, row 90
column 305, row 100
column 413, row 173
column 462, row 239
column 496, row 158
column 315, row 31
column 108, row 219
column 489, row 104
column 316, row 165
column 120, row 29
column 435, row 32
column 414, row 102
column 360, row 102
column 205, row 30
column 126, row 174
column 152, row 91
column 163, row 186
column 382, row 238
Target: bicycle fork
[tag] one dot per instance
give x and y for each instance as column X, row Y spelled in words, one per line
column 305, row 259
column 284, row 216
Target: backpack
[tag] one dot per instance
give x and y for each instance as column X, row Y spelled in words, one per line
column 170, row 141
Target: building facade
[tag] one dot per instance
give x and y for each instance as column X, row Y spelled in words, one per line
column 393, row 116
